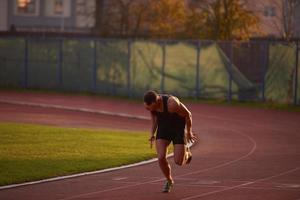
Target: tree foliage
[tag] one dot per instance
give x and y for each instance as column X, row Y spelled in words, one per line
column 285, row 20
column 119, row 17
column 166, row 18
column 228, row 20
column 194, row 25
column 218, row 19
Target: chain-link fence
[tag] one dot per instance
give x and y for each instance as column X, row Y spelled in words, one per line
column 255, row 70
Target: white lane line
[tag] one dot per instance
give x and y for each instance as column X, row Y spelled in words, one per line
column 119, row 178
column 241, row 121
column 288, row 185
column 141, row 117
column 109, row 190
column 240, row 185
column 103, row 112
column 229, row 162
column 224, row 186
column 81, row 174
column 154, row 181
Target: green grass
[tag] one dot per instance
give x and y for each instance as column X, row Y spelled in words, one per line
column 34, row 152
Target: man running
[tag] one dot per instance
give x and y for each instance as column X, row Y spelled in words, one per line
column 169, row 118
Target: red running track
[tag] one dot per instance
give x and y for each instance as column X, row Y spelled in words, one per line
column 243, row 153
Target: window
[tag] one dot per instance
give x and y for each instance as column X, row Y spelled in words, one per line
column 58, row 7
column 269, row 11
column 27, row 7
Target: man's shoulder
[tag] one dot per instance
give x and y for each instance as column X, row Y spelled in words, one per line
column 173, row 99
column 173, row 104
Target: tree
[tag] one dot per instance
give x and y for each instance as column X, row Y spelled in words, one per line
column 166, row 18
column 194, row 25
column 285, row 20
column 99, row 17
column 228, row 20
column 102, row 26
column 139, row 12
column 120, row 17
column 217, row 19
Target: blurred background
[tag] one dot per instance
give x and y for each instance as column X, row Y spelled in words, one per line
column 203, row 49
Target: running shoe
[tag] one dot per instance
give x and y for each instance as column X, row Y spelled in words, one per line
column 188, row 155
column 167, row 187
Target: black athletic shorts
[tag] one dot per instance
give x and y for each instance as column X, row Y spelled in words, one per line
column 177, row 136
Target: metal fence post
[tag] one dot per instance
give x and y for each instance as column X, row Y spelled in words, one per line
column 229, row 95
column 265, row 67
column 296, row 74
column 25, row 78
column 198, row 70
column 129, row 92
column 60, row 63
column 94, row 71
column 162, row 84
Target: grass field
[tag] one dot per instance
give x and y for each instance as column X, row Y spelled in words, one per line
column 34, row 152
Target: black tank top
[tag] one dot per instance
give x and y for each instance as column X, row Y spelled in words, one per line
column 168, row 121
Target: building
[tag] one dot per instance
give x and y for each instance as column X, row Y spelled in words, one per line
column 269, row 13
column 47, row 15
column 271, row 16
column 79, row 15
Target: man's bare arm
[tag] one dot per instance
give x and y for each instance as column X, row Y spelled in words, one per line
column 175, row 106
column 153, row 129
column 154, row 124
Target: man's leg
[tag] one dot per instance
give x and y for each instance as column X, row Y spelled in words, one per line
column 179, row 154
column 182, row 155
column 161, row 148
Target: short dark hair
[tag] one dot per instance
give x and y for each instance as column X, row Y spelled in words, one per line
column 150, row 97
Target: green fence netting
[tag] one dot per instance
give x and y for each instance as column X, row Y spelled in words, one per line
column 259, row 70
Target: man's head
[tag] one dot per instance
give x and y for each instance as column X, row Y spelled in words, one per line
column 150, row 100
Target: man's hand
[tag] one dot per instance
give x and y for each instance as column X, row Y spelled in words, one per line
column 151, row 140
column 191, row 137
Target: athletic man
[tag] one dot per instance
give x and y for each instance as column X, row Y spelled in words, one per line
column 169, row 118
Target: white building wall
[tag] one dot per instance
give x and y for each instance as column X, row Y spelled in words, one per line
column 269, row 15
column 85, row 17
column 50, row 10
column 3, row 15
